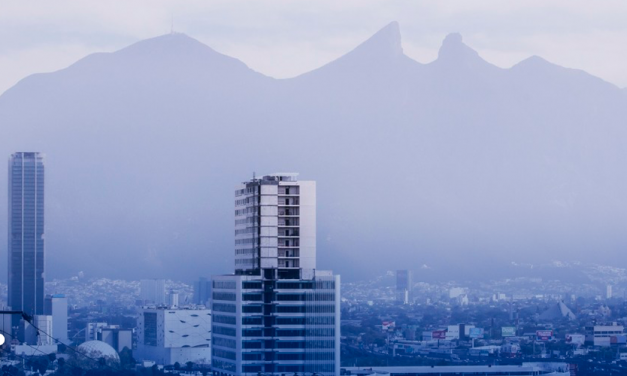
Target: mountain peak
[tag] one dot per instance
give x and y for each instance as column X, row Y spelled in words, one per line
column 386, row 41
column 453, row 48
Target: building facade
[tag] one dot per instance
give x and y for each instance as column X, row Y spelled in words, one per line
column 152, row 291
column 56, row 306
column 202, row 291
column 116, row 337
column 277, row 313
column 26, row 233
column 404, row 285
column 168, row 335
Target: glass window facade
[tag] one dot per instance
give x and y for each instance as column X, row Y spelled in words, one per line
column 26, row 233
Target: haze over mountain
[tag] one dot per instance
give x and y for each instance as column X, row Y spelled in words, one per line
column 456, row 164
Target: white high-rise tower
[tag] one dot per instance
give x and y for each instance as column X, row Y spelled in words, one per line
column 277, row 314
column 275, row 224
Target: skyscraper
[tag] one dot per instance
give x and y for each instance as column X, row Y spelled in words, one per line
column 277, row 314
column 404, row 285
column 26, row 233
column 202, row 291
column 152, row 291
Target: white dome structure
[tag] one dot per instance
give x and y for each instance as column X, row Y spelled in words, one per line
column 97, row 349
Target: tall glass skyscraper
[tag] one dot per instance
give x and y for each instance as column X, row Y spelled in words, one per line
column 26, row 233
column 277, row 314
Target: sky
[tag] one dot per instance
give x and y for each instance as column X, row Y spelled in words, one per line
column 284, row 38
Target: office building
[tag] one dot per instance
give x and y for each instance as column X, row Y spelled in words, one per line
column 404, row 285
column 604, row 335
column 202, row 291
column 116, row 337
column 32, row 336
column 26, row 234
column 277, row 313
column 167, row 336
column 152, row 291
column 56, row 306
column 92, row 329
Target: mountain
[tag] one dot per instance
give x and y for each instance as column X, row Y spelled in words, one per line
column 457, row 164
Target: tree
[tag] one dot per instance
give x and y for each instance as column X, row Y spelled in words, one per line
column 126, row 358
column 61, row 365
column 190, row 365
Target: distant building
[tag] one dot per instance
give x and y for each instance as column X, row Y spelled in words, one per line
column 26, row 234
column 115, row 337
column 152, row 291
column 526, row 369
column 455, row 292
column 604, row 335
column 167, row 336
column 173, row 300
column 56, row 306
column 460, row 331
column 92, row 329
column 404, row 285
column 608, row 292
column 202, row 291
column 556, row 312
column 35, row 337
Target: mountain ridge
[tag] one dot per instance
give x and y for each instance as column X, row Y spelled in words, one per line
column 451, row 163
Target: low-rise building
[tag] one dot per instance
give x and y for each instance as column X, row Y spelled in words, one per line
column 174, row 335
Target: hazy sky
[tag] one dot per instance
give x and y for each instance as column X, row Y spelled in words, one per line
column 283, row 38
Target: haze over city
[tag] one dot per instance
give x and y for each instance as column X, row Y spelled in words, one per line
column 313, row 188
column 456, row 157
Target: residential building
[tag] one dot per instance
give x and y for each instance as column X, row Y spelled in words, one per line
column 167, row 336
column 277, row 313
column 26, row 234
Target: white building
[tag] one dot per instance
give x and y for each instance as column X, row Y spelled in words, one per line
column 601, row 335
column 608, row 292
column 40, row 337
column 167, row 336
column 152, row 291
column 116, row 337
column 453, row 332
column 56, row 305
column 92, row 329
column 173, row 299
column 455, row 292
column 275, row 224
column 277, row 314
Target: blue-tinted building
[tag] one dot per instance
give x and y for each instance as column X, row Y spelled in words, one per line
column 26, row 233
column 277, row 314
